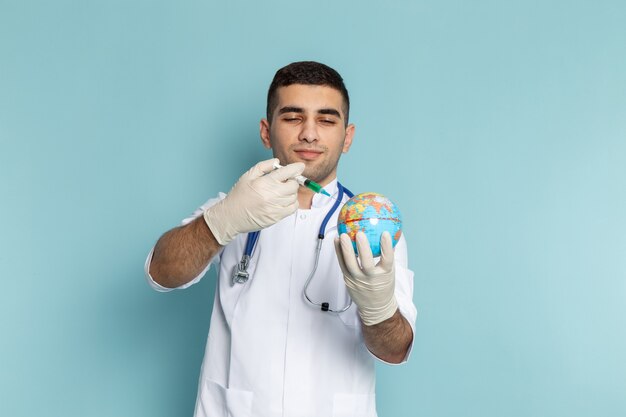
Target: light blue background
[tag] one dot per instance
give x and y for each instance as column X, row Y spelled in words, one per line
column 498, row 127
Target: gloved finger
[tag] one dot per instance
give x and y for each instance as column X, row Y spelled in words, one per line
column 342, row 262
column 365, row 253
column 286, row 204
column 287, row 172
column 386, row 252
column 288, row 189
column 284, row 200
column 262, row 168
column 352, row 265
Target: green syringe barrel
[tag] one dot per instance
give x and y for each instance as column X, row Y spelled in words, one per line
column 315, row 187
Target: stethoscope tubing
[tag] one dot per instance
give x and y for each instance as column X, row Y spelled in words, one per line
column 241, row 275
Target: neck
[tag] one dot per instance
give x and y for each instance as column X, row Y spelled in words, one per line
column 305, row 198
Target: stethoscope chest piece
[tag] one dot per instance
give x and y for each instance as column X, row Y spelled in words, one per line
column 240, row 273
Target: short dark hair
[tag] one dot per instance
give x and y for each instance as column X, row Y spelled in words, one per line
column 307, row 73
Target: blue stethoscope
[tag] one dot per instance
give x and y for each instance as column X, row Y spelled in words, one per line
column 241, row 274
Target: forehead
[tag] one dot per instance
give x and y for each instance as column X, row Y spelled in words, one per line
column 309, row 97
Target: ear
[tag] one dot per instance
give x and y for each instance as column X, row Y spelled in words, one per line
column 348, row 140
column 264, row 128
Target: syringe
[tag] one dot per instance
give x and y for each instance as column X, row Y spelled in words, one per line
column 305, row 182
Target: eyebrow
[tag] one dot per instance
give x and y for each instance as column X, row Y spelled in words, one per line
column 292, row 109
column 331, row 112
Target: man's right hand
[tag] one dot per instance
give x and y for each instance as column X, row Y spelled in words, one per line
column 262, row 196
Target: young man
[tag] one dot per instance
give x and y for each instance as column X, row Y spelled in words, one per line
column 271, row 350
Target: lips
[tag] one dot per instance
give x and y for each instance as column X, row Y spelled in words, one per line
column 308, row 154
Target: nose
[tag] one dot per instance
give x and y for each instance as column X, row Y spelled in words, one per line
column 309, row 132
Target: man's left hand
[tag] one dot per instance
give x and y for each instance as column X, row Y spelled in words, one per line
column 371, row 285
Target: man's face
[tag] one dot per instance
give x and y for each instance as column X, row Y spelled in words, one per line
column 308, row 126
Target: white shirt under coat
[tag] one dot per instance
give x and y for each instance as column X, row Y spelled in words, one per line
column 270, row 353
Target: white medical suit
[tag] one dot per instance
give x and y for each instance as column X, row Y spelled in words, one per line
column 269, row 353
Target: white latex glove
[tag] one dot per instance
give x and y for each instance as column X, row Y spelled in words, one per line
column 262, row 196
column 370, row 285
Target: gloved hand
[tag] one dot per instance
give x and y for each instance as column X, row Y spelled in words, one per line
column 262, row 196
column 370, row 285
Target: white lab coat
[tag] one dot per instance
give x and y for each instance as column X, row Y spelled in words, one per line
column 269, row 353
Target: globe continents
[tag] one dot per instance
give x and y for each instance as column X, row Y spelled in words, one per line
column 372, row 214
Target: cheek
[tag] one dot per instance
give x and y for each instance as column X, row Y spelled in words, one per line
column 280, row 135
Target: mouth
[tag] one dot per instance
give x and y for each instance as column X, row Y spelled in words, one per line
column 308, row 154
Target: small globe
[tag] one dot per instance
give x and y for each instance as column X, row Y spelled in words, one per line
column 373, row 214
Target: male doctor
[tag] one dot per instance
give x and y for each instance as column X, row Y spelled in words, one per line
column 269, row 351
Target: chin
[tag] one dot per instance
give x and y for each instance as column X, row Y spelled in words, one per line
column 317, row 175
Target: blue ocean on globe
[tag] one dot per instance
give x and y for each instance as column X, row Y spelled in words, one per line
column 373, row 214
